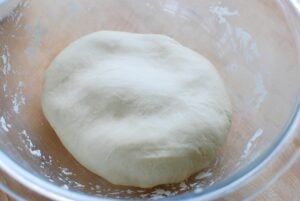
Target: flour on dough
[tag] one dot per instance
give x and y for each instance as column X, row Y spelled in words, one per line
column 136, row 109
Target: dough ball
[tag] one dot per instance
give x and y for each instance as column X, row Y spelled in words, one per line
column 137, row 109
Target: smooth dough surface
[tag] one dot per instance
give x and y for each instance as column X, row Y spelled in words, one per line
column 136, row 109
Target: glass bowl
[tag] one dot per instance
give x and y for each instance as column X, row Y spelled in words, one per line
column 253, row 44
